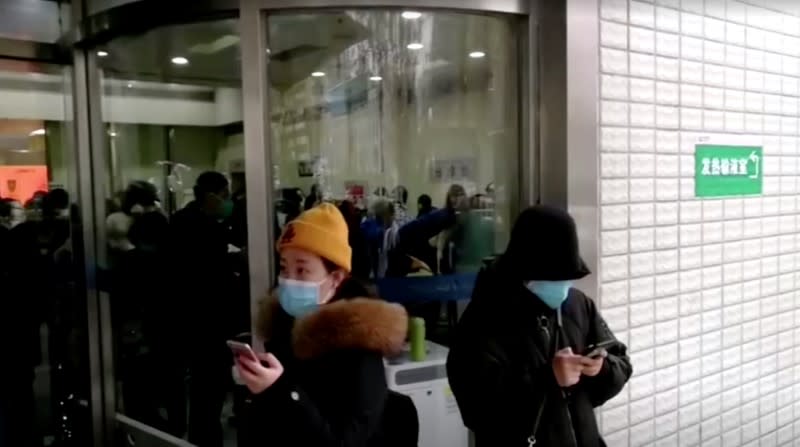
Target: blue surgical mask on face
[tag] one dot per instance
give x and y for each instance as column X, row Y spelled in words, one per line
column 298, row 298
column 552, row 293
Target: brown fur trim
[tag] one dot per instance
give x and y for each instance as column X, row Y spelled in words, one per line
column 361, row 323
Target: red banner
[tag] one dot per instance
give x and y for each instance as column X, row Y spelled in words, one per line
column 21, row 182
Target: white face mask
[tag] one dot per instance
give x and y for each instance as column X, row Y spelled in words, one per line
column 17, row 217
column 282, row 219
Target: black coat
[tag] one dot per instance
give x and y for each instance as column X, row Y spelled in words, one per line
column 333, row 391
column 501, row 373
column 203, row 280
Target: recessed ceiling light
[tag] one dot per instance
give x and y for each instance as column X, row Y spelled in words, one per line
column 102, row 53
column 180, row 60
column 411, row 15
column 415, row 46
column 375, row 78
column 318, row 74
column 37, row 132
column 130, row 84
column 477, row 54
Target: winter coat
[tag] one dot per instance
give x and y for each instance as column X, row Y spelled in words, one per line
column 500, row 367
column 333, row 391
column 203, row 281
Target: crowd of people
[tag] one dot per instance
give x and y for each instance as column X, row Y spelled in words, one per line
column 42, row 320
column 529, row 360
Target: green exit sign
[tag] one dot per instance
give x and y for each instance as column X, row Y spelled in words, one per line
column 723, row 171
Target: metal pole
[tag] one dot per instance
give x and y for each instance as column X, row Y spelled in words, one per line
column 258, row 154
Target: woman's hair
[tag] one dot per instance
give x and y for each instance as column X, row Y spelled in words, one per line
column 350, row 287
column 139, row 193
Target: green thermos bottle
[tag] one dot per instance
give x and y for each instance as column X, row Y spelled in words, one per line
column 416, row 338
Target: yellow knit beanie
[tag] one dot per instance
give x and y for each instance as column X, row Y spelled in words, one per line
column 321, row 230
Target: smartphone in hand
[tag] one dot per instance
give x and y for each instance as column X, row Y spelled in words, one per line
column 595, row 350
column 242, row 349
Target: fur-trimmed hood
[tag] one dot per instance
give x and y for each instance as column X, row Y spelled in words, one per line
column 368, row 324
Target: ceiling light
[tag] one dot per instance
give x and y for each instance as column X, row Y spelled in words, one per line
column 318, row 74
column 415, row 46
column 180, row 60
column 111, row 133
column 375, row 78
column 477, row 54
column 411, row 15
column 102, row 53
column 37, row 132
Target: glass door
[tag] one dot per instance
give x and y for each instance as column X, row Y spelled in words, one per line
column 174, row 240
column 400, row 116
column 44, row 329
column 410, row 121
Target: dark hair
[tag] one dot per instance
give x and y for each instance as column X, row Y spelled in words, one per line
column 401, row 194
column 56, row 199
column 349, row 288
column 425, row 201
column 453, row 192
column 292, row 195
column 209, row 182
column 139, row 193
column 5, row 207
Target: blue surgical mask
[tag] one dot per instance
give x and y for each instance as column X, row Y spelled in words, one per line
column 298, row 298
column 552, row 293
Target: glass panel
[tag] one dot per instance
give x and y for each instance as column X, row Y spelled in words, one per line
column 409, row 122
column 40, row 21
column 43, row 322
column 95, row 6
column 176, row 224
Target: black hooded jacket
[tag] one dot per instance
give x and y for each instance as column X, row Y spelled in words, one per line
column 500, row 363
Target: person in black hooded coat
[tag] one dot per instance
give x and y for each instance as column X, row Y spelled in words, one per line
column 515, row 365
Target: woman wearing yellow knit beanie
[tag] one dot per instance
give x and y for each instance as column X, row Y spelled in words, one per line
column 322, row 379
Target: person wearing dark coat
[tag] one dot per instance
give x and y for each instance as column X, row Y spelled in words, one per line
column 322, row 382
column 204, row 281
column 516, row 366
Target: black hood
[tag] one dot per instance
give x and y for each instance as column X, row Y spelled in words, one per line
column 544, row 247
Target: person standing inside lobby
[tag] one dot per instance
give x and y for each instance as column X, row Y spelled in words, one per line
column 526, row 363
column 202, row 286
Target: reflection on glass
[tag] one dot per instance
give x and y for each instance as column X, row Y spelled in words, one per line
column 409, row 121
column 43, row 325
column 39, row 21
column 176, row 224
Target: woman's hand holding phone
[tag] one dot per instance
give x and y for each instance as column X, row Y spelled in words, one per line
column 259, row 376
column 593, row 365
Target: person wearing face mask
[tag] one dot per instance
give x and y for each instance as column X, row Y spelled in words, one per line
column 11, row 213
column 322, row 381
column 139, row 198
column 204, row 281
column 522, row 365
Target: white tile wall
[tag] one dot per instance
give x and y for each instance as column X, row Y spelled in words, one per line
column 704, row 291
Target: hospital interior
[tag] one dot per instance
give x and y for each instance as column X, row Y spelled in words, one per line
column 630, row 114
